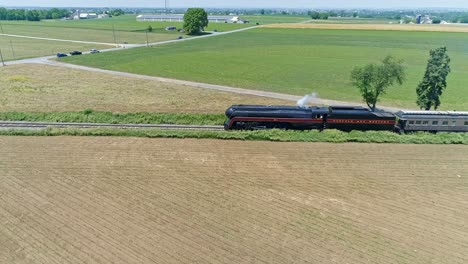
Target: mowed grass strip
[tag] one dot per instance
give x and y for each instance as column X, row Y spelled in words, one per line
column 298, row 61
column 42, row 88
column 90, row 116
column 133, row 200
column 21, row 48
column 332, row 136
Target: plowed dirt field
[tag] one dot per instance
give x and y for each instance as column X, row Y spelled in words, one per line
column 135, row 200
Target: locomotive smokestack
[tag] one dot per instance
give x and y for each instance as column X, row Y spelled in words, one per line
column 304, row 101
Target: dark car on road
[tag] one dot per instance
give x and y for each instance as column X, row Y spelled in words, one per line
column 60, row 55
column 75, row 52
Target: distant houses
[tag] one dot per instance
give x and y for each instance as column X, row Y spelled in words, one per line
column 180, row 18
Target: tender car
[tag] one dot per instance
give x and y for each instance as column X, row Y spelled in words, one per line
column 60, row 55
column 94, row 51
column 75, row 52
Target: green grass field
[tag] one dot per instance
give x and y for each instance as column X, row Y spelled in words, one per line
column 125, row 29
column 298, row 61
column 20, row 48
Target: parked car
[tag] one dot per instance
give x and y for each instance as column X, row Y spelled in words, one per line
column 94, row 51
column 180, row 37
column 60, row 55
column 75, row 52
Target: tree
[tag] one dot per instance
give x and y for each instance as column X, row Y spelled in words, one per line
column 373, row 80
column 149, row 29
column 434, row 81
column 324, row 16
column 117, row 12
column 262, row 12
column 195, row 20
column 315, row 15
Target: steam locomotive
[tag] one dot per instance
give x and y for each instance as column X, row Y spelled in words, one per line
column 344, row 118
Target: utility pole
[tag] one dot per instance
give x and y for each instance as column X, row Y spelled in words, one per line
column 147, row 42
column 113, row 33
column 1, row 27
column 1, row 57
column 12, row 50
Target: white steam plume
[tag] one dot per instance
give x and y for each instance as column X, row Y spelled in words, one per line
column 304, row 101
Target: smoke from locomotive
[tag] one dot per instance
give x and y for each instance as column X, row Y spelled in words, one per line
column 308, row 99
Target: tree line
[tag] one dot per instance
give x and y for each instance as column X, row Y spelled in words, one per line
column 32, row 15
column 40, row 14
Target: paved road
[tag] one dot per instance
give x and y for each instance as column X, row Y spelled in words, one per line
column 316, row 101
column 44, row 59
column 60, row 40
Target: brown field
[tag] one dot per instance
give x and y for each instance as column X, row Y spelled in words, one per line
column 41, row 88
column 134, row 200
column 394, row 27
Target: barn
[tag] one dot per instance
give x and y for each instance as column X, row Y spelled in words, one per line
column 180, row 18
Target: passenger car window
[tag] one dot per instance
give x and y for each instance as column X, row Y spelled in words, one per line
column 418, row 122
column 425, row 123
column 411, row 122
column 435, row 123
column 445, row 123
column 466, row 123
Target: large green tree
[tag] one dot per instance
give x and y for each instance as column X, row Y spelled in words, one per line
column 434, row 81
column 372, row 80
column 195, row 20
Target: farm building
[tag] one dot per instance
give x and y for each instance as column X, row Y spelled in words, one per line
column 79, row 15
column 180, row 18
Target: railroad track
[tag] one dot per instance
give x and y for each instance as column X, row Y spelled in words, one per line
column 42, row 125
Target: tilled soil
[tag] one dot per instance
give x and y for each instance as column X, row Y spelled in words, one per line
column 136, row 200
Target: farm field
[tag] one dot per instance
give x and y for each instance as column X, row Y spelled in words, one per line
column 368, row 26
column 272, row 19
column 129, row 200
column 87, row 34
column 298, row 61
column 348, row 20
column 30, row 48
column 126, row 29
column 42, row 88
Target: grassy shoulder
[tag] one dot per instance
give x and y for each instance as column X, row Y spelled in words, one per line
column 332, row 136
column 298, row 61
column 90, row 116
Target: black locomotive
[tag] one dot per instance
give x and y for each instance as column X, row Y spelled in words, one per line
column 344, row 118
